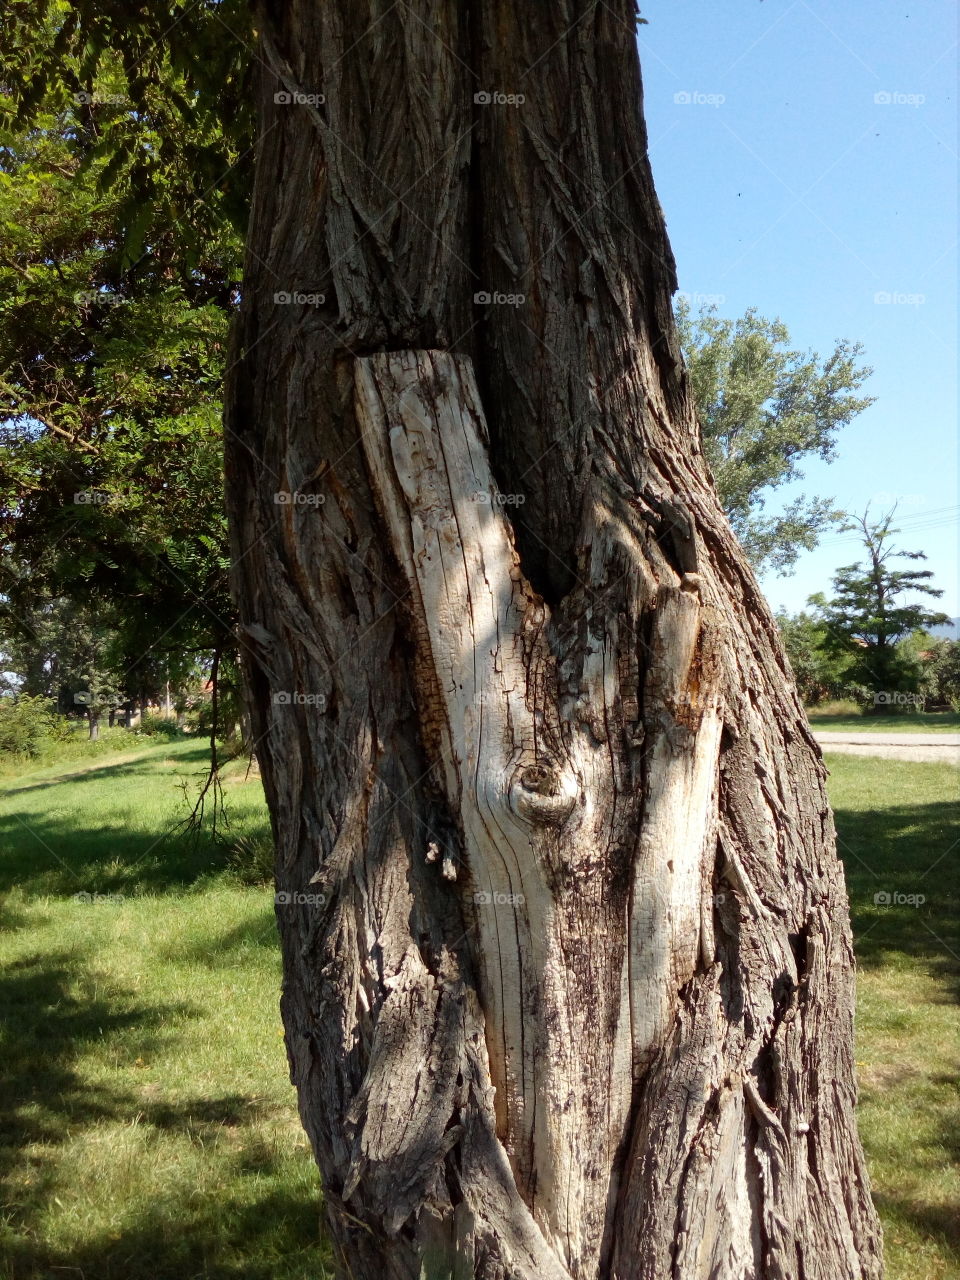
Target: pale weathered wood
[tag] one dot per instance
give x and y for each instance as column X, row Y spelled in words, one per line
column 516, row 780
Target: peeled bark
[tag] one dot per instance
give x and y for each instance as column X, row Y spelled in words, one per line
column 558, row 893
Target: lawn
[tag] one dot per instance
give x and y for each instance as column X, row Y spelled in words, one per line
column 845, row 718
column 148, row 1130
column 897, row 831
column 147, row 1127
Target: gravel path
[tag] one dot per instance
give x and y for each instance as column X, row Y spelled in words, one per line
column 939, row 748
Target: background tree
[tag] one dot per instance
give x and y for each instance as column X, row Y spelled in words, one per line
column 820, row 672
column 35, row 647
column 941, row 674
column 118, row 284
column 28, row 725
column 763, row 408
column 868, row 615
column 68, row 652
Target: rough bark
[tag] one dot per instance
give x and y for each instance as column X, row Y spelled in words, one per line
column 558, row 893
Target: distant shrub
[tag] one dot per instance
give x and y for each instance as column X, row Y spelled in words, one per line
column 856, row 693
column 29, row 726
column 153, row 725
column 838, row 707
column 941, row 682
column 191, row 720
column 819, row 673
column 229, row 727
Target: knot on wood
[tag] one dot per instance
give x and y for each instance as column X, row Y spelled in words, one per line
column 540, row 792
column 540, row 778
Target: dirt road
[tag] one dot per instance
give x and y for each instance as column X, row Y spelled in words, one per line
column 941, row 748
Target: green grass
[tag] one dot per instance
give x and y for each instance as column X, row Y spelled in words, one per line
column 845, row 717
column 77, row 747
column 897, row 828
column 148, row 1130
column 147, row 1127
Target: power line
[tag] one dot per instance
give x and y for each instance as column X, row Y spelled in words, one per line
column 921, row 523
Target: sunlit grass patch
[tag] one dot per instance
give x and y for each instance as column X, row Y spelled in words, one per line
column 897, row 828
column 147, row 1125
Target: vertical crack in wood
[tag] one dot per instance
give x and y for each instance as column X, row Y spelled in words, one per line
column 535, row 794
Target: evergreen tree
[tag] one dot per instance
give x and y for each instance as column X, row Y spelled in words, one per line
column 868, row 615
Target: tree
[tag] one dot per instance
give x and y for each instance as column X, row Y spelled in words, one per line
column 118, row 286
column 867, row 616
column 576, row 998
column 567, row 961
column 763, row 409
column 35, row 648
column 941, row 676
column 819, row 671
column 28, row 725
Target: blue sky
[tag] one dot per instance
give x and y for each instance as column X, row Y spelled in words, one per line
column 790, row 186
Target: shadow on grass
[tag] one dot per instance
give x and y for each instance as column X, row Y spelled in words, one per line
column 46, row 1028
column 900, row 862
column 61, row 856
column 144, row 765
column 894, row 857
column 262, row 1238
column 248, row 1229
column 227, row 950
column 66, row 850
column 939, row 1223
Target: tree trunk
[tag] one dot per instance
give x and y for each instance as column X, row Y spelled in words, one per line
column 568, row 982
